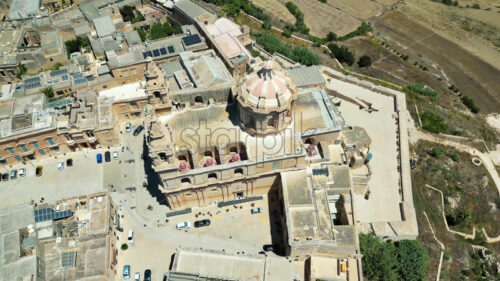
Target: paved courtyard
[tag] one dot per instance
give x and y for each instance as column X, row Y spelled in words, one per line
column 383, row 203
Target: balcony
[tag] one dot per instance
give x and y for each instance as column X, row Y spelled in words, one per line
column 70, row 142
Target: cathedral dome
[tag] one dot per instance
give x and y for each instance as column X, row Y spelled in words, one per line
column 268, row 87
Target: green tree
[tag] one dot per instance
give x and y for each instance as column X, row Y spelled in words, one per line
column 332, row 36
column 142, row 34
column 412, row 260
column 127, row 13
column 72, row 46
column 378, row 258
column 21, row 70
column 469, row 103
column 364, row 61
column 342, row 54
column 48, row 92
column 304, row 56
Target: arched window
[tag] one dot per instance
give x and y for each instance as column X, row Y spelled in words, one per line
column 208, row 153
column 182, row 158
column 212, row 176
column 185, row 180
column 238, row 171
column 198, row 99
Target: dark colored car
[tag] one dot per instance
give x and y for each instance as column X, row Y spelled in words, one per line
column 5, row 177
column 147, row 275
column 165, row 276
column 201, row 223
column 138, row 130
column 69, row 162
column 107, row 156
column 268, row 248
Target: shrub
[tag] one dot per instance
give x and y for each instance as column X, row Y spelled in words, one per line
column 446, row 256
column 454, row 156
column 364, row 61
column 436, row 151
column 124, row 247
column 469, row 103
column 360, row 31
column 287, row 33
column 433, row 123
column 476, row 6
column 422, row 89
column 299, row 54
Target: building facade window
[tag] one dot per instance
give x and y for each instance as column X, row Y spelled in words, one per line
column 23, row 147
column 11, row 150
column 35, row 144
column 55, row 148
column 41, row 151
column 50, row 141
column 18, row 158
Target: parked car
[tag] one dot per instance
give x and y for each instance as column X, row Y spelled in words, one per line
column 201, row 223
column 165, row 276
column 69, row 162
column 60, row 166
column 99, row 158
column 13, row 174
column 268, row 248
column 128, row 127
column 137, row 276
column 138, row 130
column 107, row 156
column 130, row 238
column 256, row 210
column 126, row 272
column 115, row 155
column 5, row 176
column 22, row 172
column 147, row 275
column 183, row 225
column 39, row 170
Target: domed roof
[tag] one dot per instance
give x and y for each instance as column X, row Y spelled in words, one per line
column 267, row 87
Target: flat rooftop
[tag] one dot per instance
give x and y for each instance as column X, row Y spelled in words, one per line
column 220, row 265
column 12, row 265
column 20, row 9
column 125, row 92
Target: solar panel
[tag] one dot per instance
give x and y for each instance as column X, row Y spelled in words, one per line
column 78, row 75
column 171, row 49
column 156, row 53
column 163, row 51
column 191, row 39
column 58, row 72
column 64, row 77
column 47, row 214
column 147, row 54
column 80, row 80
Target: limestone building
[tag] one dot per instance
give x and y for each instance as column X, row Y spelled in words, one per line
column 234, row 138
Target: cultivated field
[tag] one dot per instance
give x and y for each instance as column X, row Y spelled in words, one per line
column 475, row 77
column 360, row 9
column 275, row 8
column 475, row 30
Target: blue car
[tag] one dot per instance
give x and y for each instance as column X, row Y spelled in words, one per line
column 99, row 158
column 126, row 272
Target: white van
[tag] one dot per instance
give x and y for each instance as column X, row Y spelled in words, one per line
column 183, row 225
column 130, row 236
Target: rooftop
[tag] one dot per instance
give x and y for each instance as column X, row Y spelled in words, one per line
column 13, row 263
column 20, row 9
column 191, row 9
column 212, row 264
column 104, row 26
column 307, row 76
column 124, row 92
column 205, row 68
